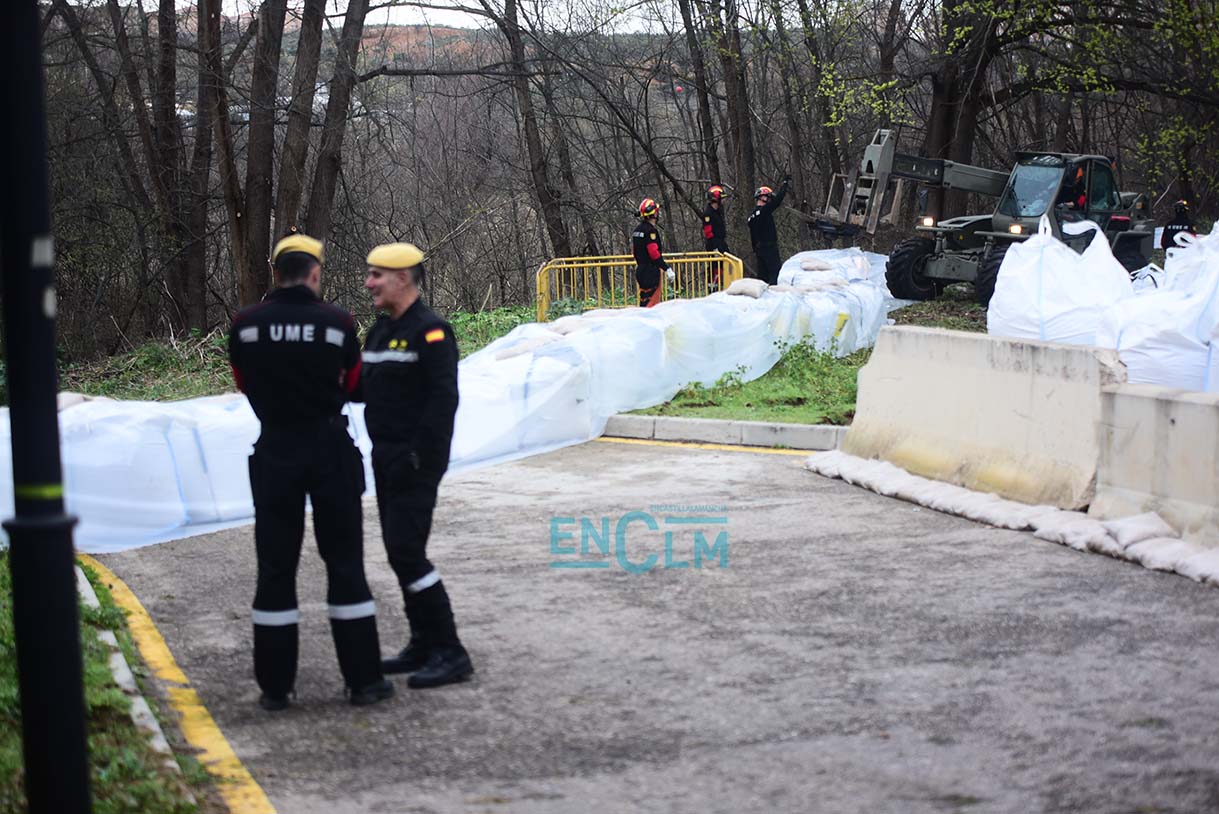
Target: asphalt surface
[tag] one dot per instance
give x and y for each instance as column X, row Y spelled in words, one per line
column 856, row 654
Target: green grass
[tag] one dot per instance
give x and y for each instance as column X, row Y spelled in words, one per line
column 175, row 369
column 477, row 330
column 956, row 309
column 126, row 775
column 806, row 386
column 157, row 371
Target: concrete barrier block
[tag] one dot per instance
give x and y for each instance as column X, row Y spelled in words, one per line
column 631, row 426
column 1019, row 418
column 704, row 430
column 1160, row 453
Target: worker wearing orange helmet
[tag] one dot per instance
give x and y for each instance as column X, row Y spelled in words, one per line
column 715, row 234
column 762, row 231
column 649, row 257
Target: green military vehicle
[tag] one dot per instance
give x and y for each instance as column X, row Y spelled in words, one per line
column 970, row 248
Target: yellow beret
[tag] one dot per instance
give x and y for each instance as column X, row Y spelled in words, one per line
column 395, row 256
column 298, row 243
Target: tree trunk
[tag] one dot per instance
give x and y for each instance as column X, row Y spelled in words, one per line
column 548, row 197
column 300, row 114
column 260, row 153
column 234, row 199
column 706, row 126
column 194, row 249
column 787, row 69
column 820, row 110
column 330, row 154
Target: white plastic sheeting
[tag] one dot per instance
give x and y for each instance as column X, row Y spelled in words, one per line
column 1163, row 328
column 142, row 472
column 1145, row 539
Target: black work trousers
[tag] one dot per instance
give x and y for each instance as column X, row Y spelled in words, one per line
column 406, row 498
column 769, row 263
column 648, row 278
column 320, row 461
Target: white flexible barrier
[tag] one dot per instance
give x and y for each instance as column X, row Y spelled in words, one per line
column 138, row 473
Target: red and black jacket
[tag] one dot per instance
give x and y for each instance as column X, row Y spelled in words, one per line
column 715, row 234
column 645, row 245
column 296, row 358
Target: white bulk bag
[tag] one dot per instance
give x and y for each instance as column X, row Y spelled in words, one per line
column 1165, row 336
column 1047, row 291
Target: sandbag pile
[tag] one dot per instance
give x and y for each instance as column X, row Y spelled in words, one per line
column 1164, row 330
column 1144, row 539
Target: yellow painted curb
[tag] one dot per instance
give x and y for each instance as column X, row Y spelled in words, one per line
column 240, row 791
column 694, row 445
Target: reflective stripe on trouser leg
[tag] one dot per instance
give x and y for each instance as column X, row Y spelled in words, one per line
column 354, row 628
column 424, row 582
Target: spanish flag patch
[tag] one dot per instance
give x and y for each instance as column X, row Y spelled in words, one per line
column 434, row 335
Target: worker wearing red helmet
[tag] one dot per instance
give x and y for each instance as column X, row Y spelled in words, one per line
column 762, row 231
column 715, row 234
column 649, row 258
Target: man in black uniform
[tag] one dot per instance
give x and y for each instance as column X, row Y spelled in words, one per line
column 297, row 359
column 410, row 394
column 649, row 259
column 1180, row 223
column 715, row 234
column 762, row 232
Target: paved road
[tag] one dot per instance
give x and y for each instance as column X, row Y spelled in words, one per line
column 857, row 654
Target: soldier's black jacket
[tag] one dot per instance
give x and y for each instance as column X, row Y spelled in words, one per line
column 715, row 235
column 1180, row 223
column 409, row 385
column 645, row 245
column 295, row 357
column 762, row 231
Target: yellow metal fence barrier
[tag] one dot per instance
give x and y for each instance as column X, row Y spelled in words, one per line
column 571, row 285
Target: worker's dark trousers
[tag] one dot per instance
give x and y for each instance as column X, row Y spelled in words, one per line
column 648, row 278
column 318, row 460
column 767, row 255
column 406, row 498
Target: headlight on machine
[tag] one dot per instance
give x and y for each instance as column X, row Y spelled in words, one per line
column 929, row 221
column 1016, row 229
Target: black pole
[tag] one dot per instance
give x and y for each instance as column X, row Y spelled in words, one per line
column 40, row 536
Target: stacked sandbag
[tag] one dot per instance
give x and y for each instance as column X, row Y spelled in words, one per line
column 1166, row 336
column 1048, row 291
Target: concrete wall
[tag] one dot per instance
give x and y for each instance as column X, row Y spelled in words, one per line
column 1019, row 418
column 1160, row 452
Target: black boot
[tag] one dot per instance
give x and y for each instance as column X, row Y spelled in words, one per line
column 275, row 649
column 447, row 660
column 359, row 652
column 370, row 694
column 448, row 664
column 415, row 654
column 273, row 703
column 409, row 659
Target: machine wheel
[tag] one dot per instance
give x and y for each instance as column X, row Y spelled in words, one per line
column 988, row 275
column 1128, row 254
column 905, row 271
